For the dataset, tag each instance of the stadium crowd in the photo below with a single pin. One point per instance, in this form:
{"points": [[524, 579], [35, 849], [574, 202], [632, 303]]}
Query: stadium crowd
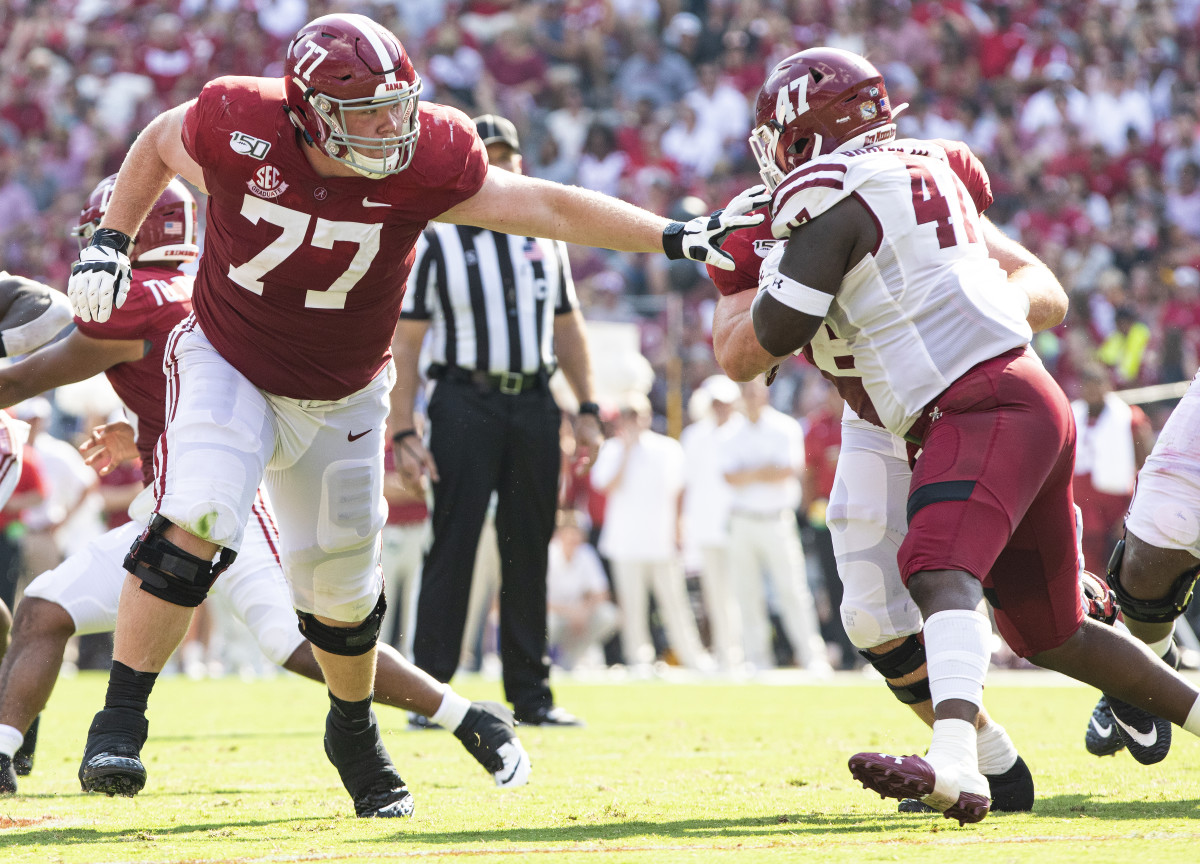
{"points": [[1086, 114]]}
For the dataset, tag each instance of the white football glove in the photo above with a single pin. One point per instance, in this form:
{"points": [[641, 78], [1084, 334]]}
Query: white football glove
{"points": [[101, 276], [701, 238]]}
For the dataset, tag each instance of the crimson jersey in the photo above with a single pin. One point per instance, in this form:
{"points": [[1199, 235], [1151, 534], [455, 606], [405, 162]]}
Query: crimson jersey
{"points": [[302, 276], [750, 246], [159, 298]]}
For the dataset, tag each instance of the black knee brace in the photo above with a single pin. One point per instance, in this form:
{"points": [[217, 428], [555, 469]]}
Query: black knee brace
{"points": [[1161, 611], [169, 572], [902, 660], [346, 641]]}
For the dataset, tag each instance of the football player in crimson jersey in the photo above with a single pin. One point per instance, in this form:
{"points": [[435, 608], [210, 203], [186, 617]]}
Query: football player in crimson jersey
{"points": [[81, 594], [319, 185], [887, 251]]}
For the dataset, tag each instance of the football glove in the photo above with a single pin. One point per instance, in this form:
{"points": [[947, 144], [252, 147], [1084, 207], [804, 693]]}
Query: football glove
{"points": [[700, 239], [101, 276]]}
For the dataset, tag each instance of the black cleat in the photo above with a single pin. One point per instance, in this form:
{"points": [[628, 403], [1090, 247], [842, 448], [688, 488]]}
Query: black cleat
{"points": [[548, 715], [1012, 792], [1102, 737], [487, 733], [8, 777], [23, 759], [112, 757], [366, 768], [1148, 737]]}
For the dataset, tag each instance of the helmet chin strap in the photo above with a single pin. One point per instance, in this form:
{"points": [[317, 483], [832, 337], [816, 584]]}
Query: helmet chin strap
{"points": [[374, 169]]}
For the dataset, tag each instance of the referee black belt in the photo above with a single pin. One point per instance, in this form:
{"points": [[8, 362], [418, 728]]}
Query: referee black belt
{"points": [[508, 383]]}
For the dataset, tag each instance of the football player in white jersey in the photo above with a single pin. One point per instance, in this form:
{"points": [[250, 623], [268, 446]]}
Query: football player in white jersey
{"points": [[886, 251], [31, 314]]}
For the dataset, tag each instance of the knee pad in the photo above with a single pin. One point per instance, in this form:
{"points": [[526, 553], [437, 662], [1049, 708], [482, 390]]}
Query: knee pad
{"points": [[902, 660], [170, 573], [344, 641], [1161, 611]]}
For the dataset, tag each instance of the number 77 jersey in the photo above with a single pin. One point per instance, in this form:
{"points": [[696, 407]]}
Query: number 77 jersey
{"points": [[928, 303], [302, 276]]}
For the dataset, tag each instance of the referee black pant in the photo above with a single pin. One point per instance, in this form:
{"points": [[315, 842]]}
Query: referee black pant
{"points": [[484, 440]]}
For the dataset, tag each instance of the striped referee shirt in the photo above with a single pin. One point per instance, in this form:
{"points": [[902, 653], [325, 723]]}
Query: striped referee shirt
{"points": [[490, 298]]}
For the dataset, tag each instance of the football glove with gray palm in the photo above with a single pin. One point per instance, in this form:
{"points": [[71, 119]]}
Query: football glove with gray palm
{"points": [[700, 239], [101, 276]]}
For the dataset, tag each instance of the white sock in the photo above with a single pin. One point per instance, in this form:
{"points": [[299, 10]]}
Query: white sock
{"points": [[997, 753], [957, 654], [1191, 724], [954, 743], [11, 739], [452, 710]]}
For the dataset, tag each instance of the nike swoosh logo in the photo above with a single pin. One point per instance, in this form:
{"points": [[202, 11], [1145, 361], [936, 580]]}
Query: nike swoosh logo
{"points": [[1104, 731], [1146, 739], [350, 436], [367, 202], [513, 772]]}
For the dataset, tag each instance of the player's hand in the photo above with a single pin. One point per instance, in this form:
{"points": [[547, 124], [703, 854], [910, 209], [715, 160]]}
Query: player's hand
{"points": [[108, 446], [413, 462], [101, 276], [701, 238]]}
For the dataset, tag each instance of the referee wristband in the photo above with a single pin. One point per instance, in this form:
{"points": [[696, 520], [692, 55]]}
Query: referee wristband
{"points": [[589, 408], [402, 434]]}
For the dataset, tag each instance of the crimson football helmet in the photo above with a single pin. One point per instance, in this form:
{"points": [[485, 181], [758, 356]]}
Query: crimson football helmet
{"points": [[169, 232], [816, 102], [343, 73]]}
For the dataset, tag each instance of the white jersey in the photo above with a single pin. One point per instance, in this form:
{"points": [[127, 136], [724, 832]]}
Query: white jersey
{"points": [[928, 303]]}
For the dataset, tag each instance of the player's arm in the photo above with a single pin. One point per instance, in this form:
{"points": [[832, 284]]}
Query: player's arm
{"points": [[734, 344], [156, 156], [516, 204], [75, 358], [791, 305], [1047, 297], [31, 314]]}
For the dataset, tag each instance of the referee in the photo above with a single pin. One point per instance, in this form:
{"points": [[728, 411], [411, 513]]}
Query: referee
{"points": [[502, 314]]}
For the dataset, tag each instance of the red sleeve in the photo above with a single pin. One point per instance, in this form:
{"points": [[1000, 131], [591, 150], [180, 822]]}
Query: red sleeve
{"points": [[748, 247], [971, 171], [450, 158]]}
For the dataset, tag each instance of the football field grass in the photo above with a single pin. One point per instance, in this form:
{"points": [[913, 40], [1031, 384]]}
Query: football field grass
{"points": [[664, 772]]}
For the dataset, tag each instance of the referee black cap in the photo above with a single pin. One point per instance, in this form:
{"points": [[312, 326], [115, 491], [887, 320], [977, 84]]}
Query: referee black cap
{"points": [[494, 129]]}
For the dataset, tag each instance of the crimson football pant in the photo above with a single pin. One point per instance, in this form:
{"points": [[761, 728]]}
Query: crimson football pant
{"points": [[484, 440]]}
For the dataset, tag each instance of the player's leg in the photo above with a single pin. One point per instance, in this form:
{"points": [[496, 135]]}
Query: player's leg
{"points": [[78, 596], [746, 566], [325, 483], [720, 604], [867, 519], [208, 462], [256, 591], [1154, 568]]}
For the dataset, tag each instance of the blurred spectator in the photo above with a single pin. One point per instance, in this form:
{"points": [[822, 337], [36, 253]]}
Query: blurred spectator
{"points": [[1124, 351], [641, 474], [404, 537], [581, 614], [1112, 443], [652, 72], [762, 459], [706, 500]]}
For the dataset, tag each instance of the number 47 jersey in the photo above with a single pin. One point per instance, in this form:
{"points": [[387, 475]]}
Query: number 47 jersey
{"points": [[928, 303]]}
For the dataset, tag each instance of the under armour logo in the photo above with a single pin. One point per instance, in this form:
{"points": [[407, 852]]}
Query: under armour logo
{"points": [[934, 414]]}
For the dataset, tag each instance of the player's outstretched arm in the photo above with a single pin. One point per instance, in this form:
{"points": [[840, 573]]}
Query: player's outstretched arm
{"points": [[75, 358], [515, 204], [1047, 297]]}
